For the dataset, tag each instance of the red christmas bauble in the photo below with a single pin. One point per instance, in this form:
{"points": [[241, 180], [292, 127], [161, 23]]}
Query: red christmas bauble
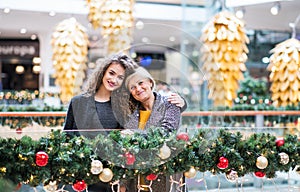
{"points": [[19, 185], [151, 177], [130, 158], [259, 174], [41, 158], [279, 142], [79, 185], [19, 130], [223, 163], [183, 136]]}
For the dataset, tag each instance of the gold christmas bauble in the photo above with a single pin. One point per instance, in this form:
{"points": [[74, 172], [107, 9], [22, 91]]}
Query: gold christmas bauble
{"points": [[261, 162], [191, 173], [284, 158], [106, 175]]}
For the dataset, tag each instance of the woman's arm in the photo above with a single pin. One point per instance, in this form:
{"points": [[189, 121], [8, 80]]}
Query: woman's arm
{"points": [[177, 100], [172, 117]]}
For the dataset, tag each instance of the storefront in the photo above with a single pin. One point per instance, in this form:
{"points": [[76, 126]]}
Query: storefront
{"points": [[19, 64]]}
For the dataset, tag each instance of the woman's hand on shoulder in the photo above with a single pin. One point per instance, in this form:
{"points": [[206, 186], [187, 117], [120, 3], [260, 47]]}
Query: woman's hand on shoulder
{"points": [[176, 99]]}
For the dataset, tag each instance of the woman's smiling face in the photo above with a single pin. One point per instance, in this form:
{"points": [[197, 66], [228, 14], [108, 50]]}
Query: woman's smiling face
{"points": [[140, 88], [113, 76]]}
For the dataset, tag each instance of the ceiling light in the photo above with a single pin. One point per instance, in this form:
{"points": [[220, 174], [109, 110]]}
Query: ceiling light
{"points": [[33, 37], [52, 13], [240, 13], [145, 40], [133, 55], [23, 31], [6, 10], [36, 69], [172, 38], [265, 60], [19, 69], [36, 60], [275, 9], [139, 25]]}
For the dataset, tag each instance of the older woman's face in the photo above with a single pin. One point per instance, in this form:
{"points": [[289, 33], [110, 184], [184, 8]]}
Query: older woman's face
{"points": [[113, 76], [140, 88]]}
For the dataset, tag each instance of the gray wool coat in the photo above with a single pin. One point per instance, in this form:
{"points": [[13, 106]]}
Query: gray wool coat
{"points": [[164, 114]]}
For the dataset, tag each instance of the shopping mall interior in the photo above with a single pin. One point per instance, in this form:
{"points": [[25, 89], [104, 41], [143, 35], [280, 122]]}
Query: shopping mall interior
{"points": [[236, 63], [161, 29]]}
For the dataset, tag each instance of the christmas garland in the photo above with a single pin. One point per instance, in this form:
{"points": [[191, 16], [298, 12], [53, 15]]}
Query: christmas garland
{"points": [[60, 158]]}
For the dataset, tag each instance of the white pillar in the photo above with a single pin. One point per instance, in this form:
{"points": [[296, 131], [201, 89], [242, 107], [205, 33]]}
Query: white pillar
{"points": [[46, 66]]}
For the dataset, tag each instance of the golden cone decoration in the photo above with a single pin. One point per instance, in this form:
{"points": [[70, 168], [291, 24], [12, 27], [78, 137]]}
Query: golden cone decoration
{"points": [[70, 47], [224, 53], [115, 18], [94, 15], [117, 24], [285, 75]]}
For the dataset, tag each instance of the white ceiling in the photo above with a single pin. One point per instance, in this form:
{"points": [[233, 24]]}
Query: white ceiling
{"points": [[33, 15]]}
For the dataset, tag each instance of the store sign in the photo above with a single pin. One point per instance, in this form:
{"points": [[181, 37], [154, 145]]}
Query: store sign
{"points": [[18, 48]]}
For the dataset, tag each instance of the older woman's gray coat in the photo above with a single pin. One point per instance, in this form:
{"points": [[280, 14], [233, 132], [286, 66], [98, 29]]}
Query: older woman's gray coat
{"points": [[163, 114]]}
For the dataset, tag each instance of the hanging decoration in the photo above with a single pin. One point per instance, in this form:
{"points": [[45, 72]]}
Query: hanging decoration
{"points": [[261, 162], [259, 174], [106, 175], [151, 177], [285, 75], [164, 152], [223, 163], [79, 186], [96, 167], [117, 23], [70, 47], [224, 53], [115, 18], [191, 173], [41, 158], [94, 15], [130, 158]]}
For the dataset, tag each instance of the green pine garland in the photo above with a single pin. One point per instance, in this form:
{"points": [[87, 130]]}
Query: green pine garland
{"points": [[70, 157]]}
